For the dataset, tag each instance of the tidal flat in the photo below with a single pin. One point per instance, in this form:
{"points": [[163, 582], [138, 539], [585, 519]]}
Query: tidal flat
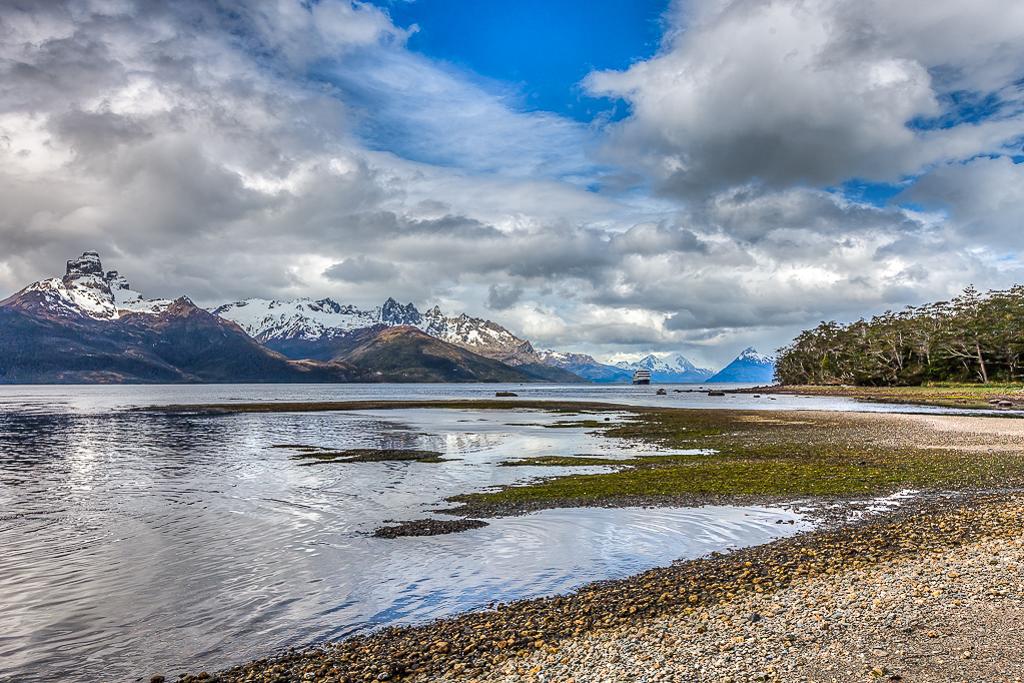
{"points": [[810, 607], [144, 518], [772, 457], [718, 455]]}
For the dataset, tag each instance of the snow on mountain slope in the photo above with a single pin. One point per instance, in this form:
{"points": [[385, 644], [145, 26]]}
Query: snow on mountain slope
{"points": [[748, 367], [481, 336], [649, 362], [679, 369], [86, 290], [269, 319], [752, 355], [306, 319]]}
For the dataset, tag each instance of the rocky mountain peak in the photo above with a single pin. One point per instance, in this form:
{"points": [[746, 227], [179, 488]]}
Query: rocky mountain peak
{"points": [[326, 305], [88, 264], [683, 363], [749, 367], [87, 290], [394, 313], [650, 361], [116, 282], [183, 307]]}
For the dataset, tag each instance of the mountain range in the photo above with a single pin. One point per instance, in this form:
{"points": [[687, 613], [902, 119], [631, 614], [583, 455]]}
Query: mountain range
{"points": [[91, 326], [587, 367], [676, 370], [321, 329]]}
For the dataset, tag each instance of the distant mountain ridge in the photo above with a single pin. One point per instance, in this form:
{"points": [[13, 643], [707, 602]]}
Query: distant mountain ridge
{"points": [[748, 367], [585, 366], [677, 370]]}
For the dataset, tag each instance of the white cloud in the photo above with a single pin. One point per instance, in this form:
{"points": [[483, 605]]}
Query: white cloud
{"points": [[985, 200], [786, 91]]}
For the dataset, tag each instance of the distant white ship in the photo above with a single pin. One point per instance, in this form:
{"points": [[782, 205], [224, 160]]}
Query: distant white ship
{"points": [[642, 377]]}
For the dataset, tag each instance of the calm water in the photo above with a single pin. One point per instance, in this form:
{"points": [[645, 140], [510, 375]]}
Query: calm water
{"points": [[137, 543], [104, 398]]}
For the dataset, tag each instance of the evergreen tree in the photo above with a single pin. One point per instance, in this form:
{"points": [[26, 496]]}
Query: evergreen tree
{"points": [[973, 337]]}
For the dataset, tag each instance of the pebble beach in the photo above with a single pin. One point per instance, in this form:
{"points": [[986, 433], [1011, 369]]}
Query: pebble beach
{"points": [[933, 591]]}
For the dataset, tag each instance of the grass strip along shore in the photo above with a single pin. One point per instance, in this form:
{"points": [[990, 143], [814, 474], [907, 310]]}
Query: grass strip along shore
{"points": [[991, 396], [956, 462]]}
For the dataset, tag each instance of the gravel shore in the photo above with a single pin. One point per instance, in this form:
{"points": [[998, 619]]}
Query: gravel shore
{"points": [[929, 592], [942, 615]]}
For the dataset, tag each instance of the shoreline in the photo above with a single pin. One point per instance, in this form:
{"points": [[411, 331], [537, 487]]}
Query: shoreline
{"points": [[518, 641]]}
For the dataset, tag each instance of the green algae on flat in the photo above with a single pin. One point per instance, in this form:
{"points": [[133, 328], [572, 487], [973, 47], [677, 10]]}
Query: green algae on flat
{"points": [[768, 455], [757, 453], [583, 424], [563, 461]]}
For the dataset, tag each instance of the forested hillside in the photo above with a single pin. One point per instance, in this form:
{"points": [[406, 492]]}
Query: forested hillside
{"points": [[975, 337]]}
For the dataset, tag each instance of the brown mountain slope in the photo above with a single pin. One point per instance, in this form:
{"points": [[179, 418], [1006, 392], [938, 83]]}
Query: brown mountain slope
{"points": [[406, 354]]}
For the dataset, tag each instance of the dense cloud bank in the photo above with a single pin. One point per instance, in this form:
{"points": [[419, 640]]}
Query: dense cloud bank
{"points": [[227, 149]]}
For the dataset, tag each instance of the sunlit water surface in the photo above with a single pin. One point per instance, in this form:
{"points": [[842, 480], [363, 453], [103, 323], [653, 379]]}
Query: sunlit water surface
{"points": [[136, 543]]}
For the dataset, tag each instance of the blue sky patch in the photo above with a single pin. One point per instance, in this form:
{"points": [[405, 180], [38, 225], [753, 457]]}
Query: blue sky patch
{"points": [[960, 107], [542, 47], [876, 194]]}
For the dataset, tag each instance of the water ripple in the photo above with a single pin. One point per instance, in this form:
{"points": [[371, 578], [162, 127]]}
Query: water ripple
{"points": [[138, 543]]}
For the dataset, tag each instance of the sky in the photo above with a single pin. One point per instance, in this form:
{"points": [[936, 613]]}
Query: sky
{"points": [[616, 177]]}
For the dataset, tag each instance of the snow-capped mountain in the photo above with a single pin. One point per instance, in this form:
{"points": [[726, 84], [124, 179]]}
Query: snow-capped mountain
{"points": [[297, 325], [748, 367], [86, 290], [585, 366], [679, 369], [91, 327]]}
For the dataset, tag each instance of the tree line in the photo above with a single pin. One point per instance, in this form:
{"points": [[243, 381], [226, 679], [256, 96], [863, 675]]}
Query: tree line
{"points": [[974, 337]]}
